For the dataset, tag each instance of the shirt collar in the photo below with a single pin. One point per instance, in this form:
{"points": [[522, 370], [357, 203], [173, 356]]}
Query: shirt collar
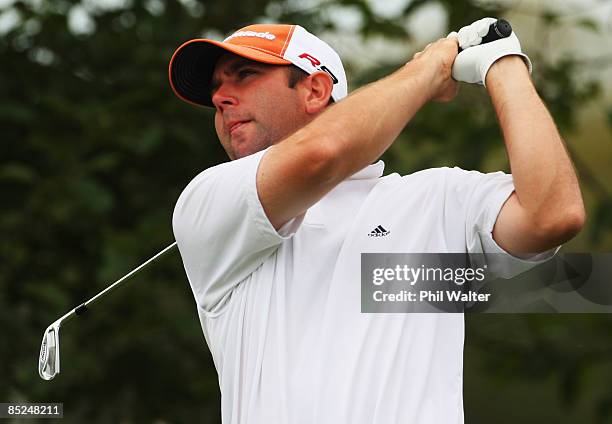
{"points": [[371, 171]]}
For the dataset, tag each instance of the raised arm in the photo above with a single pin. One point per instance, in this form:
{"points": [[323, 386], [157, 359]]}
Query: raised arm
{"points": [[546, 209], [295, 173]]}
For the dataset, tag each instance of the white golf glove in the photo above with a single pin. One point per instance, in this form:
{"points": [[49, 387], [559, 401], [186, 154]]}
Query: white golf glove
{"points": [[473, 63]]}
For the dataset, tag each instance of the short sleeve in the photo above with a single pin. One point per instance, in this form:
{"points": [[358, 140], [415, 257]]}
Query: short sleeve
{"points": [[484, 195], [222, 231]]}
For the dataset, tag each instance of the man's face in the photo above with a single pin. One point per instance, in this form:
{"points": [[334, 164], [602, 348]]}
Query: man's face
{"points": [[255, 108]]}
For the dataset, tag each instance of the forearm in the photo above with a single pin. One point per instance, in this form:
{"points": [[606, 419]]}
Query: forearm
{"points": [[346, 137], [357, 130], [544, 178]]}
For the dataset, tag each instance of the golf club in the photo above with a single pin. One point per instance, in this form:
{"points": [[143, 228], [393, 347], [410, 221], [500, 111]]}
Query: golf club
{"points": [[497, 30], [49, 359]]}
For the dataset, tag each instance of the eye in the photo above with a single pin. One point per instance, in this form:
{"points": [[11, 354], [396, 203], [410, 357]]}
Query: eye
{"points": [[243, 73]]}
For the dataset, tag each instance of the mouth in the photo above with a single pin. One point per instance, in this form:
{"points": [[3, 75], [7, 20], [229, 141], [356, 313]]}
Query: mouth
{"points": [[236, 126]]}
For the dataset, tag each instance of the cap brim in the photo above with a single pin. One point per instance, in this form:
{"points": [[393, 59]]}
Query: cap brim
{"points": [[193, 63]]}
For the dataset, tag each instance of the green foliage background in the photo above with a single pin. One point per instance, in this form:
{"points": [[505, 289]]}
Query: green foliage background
{"points": [[96, 150]]}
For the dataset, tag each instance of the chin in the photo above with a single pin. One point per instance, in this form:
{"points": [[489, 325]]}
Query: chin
{"points": [[244, 149], [242, 154]]}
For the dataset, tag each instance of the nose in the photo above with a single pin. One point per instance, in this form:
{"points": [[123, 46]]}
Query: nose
{"points": [[224, 96]]}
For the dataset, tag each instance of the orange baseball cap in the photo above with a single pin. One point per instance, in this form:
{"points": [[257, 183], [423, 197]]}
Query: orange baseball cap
{"points": [[193, 63]]}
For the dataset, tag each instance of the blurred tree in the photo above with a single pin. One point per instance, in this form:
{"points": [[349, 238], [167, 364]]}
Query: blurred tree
{"points": [[97, 150]]}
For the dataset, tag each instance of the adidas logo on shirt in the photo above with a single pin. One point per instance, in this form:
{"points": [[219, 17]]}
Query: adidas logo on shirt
{"points": [[378, 232]]}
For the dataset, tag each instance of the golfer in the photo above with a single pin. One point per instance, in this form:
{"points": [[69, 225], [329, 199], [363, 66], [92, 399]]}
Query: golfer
{"points": [[271, 241]]}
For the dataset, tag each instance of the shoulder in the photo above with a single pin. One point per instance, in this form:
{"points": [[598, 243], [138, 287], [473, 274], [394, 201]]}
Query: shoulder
{"points": [[228, 175], [201, 182], [473, 174], [425, 178], [444, 172], [221, 187], [457, 179], [445, 181]]}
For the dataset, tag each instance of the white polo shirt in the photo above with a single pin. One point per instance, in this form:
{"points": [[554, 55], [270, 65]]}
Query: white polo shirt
{"points": [[281, 311]]}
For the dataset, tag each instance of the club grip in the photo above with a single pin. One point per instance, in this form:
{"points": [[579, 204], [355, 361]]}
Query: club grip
{"points": [[499, 29]]}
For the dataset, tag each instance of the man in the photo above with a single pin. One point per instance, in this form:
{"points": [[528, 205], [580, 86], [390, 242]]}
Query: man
{"points": [[271, 241]]}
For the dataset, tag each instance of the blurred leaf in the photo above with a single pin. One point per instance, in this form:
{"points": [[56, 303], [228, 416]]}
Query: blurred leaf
{"points": [[550, 18], [17, 172], [588, 24]]}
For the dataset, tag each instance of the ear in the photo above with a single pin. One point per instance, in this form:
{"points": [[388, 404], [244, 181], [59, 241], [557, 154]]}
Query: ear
{"points": [[318, 86]]}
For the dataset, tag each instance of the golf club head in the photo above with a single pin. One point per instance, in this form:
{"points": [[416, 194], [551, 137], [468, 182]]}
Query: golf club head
{"points": [[49, 359]]}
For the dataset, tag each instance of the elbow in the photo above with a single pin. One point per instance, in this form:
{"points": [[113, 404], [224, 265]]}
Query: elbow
{"points": [[574, 221], [571, 225], [565, 226], [321, 162]]}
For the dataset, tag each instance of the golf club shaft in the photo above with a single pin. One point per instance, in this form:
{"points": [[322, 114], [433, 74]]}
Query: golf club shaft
{"points": [[82, 308]]}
